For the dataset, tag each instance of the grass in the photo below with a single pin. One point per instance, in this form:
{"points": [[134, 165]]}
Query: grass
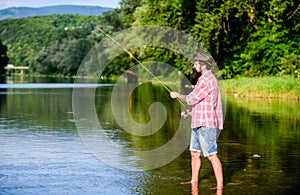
{"points": [[264, 87]]}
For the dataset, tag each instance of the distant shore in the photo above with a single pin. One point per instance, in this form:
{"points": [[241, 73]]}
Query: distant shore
{"points": [[285, 87]]}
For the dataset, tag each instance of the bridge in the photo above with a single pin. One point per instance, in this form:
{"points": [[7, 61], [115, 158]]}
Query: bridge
{"points": [[12, 67]]}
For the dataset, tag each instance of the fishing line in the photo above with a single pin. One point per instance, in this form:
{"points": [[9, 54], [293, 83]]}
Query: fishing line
{"points": [[137, 61]]}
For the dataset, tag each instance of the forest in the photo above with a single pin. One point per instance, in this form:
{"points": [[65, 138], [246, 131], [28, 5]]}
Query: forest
{"points": [[246, 38]]}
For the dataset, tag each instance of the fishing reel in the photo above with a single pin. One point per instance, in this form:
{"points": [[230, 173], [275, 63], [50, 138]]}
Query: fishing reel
{"points": [[185, 114]]}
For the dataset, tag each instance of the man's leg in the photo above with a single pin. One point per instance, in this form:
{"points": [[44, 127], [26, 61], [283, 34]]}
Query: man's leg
{"points": [[217, 167], [196, 164], [195, 189]]}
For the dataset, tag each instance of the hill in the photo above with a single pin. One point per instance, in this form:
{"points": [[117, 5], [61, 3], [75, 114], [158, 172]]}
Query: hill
{"points": [[22, 12], [25, 37]]}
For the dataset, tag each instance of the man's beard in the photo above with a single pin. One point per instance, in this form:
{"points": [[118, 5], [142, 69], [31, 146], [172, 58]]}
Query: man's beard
{"points": [[196, 74]]}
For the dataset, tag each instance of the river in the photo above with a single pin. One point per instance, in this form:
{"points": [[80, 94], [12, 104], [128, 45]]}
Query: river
{"points": [[43, 150]]}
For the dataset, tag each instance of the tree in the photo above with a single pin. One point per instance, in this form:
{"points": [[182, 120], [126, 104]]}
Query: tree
{"points": [[127, 8], [255, 37], [3, 58], [25, 37], [178, 14], [273, 48], [112, 19], [223, 27], [73, 56]]}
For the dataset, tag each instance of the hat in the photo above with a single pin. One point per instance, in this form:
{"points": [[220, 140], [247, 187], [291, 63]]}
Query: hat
{"points": [[204, 58]]}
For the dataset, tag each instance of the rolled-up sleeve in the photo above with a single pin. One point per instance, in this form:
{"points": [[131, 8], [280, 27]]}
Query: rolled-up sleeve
{"points": [[200, 91]]}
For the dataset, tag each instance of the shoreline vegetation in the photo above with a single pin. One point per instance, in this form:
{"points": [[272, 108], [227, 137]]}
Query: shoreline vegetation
{"points": [[271, 87]]}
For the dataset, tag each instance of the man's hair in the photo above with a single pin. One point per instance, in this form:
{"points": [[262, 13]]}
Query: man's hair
{"points": [[204, 59]]}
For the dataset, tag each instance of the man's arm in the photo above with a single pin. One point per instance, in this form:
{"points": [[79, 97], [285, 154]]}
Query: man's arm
{"points": [[178, 95]]}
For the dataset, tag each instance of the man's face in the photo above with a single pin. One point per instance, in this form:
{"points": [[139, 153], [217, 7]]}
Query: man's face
{"points": [[199, 67]]}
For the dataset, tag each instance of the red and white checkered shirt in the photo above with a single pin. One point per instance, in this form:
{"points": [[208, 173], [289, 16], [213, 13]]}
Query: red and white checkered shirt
{"points": [[206, 102]]}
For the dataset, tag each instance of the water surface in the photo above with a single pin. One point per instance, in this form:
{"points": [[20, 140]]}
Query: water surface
{"points": [[42, 153]]}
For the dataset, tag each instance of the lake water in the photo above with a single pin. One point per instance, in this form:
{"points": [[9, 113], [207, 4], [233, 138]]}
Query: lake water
{"points": [[42, 151]]}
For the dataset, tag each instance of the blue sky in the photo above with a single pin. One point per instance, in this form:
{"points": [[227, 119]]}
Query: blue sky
{"points": [[40, 3]]}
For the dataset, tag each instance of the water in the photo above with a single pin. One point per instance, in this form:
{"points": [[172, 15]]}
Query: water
{"points": [[42, 152]]}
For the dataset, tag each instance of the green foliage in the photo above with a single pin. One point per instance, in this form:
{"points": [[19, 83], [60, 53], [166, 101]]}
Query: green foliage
{"points": [[237, 33], [61, 58], [272, 47], [246, 38], [222, 26], [127, 8], [3, 57], [26, 37], [176, 13], [112, 19], [275, 54]]}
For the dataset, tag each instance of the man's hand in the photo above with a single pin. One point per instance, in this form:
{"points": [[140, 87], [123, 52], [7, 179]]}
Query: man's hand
{"points": [[174, 94]]}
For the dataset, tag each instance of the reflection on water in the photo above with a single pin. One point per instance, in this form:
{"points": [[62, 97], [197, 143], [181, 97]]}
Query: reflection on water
{"points": [[261, 147], [149, 128], [41, 151]]}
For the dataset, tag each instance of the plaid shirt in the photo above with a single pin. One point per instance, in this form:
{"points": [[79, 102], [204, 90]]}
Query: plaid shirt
{"points": [[206, 102]]}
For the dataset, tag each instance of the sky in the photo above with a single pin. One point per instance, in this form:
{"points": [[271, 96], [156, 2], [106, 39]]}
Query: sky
{"points": [[40, 3]]}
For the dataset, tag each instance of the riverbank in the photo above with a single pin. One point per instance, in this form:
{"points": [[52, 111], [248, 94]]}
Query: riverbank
{"points": [[264, 87], [285, 87]]}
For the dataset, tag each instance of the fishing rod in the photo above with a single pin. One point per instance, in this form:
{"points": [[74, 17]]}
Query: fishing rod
{"points": [[184, 114], [133, 57]]}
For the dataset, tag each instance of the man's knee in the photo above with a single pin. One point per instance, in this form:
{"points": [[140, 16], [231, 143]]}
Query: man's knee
{"points": [[195, 154], [212, 157]]}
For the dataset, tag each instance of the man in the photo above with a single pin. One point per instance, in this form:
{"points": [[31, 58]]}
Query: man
{"points": [[207, 118]]}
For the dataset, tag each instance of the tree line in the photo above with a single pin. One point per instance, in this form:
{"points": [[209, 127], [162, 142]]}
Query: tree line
{"points": [[246, 38]]}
